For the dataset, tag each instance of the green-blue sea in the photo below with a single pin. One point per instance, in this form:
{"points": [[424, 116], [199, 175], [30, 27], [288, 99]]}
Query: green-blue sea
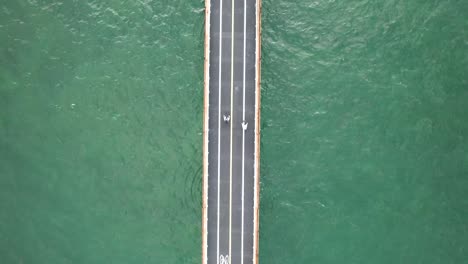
{"points": [[364, 144]]}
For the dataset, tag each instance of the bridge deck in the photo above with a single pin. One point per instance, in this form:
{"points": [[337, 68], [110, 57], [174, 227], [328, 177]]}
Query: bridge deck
{"points": [[231, 149]]}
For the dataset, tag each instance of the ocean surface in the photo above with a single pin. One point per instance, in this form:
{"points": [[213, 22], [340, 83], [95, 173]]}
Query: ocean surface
{"points": [[364, 146]]}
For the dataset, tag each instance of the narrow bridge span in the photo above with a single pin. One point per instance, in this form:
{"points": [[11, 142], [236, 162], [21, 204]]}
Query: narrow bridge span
{"points": [[231, 132]]}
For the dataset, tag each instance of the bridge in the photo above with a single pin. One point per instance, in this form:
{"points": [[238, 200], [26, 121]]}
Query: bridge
{"points": [[231, 141]]}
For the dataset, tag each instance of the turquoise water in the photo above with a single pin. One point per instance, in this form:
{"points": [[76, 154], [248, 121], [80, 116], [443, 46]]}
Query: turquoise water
{"points": [[364, 131], [100, 131]]}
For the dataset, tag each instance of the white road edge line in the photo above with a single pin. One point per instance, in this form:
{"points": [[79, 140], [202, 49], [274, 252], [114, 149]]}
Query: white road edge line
{"points": [[219, 119], [205, 132], [257, 50], [232, 121], [243, 139]]}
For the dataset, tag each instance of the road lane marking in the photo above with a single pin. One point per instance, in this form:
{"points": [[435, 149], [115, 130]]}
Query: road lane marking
{"points": [[256, 132], [224, 259], [232, 120], [243, 139], [219, 118]]}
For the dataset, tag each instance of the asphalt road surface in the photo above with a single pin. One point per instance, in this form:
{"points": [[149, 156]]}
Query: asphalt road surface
{"points": [[231, 144]]}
